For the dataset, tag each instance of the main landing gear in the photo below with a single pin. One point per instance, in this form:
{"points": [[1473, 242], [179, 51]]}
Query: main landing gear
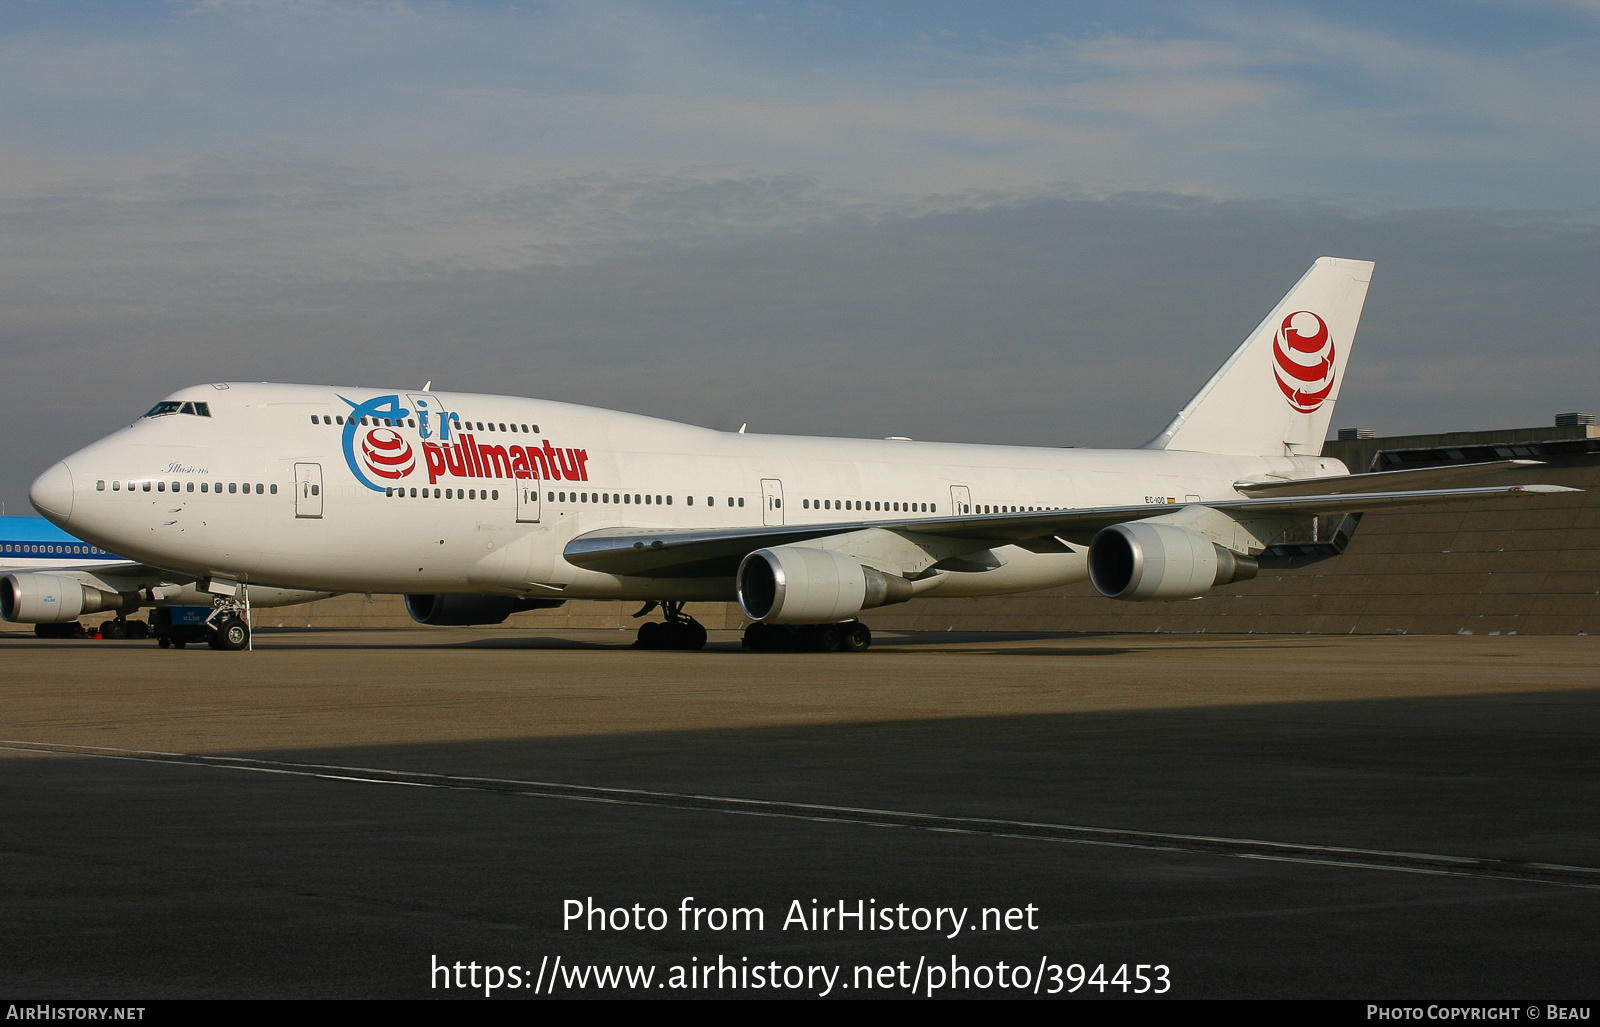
{"points": [[850, 637], [123, 628], [679, 631]]}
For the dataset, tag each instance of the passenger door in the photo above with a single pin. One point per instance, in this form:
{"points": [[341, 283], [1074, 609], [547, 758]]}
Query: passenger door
{"points": [[308, 490], [960, 499], [771, 501], [528, 501]]}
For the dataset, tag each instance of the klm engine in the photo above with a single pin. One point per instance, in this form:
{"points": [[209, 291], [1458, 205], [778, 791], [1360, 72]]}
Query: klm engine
{"points": [[54, 599], [1140, 561], [798, 585], [462, 610]]}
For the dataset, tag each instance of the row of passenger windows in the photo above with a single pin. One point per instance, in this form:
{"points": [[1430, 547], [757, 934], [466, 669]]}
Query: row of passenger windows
{"points": [[234, 487], [864, 505], [619, 498], [399, 493], [391, 422], [575, 497], [411, 422], [51, 550]]}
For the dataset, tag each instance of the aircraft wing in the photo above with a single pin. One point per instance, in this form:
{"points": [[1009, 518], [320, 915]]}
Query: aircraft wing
{"points": [[649, 553], [118, 575], [1379, 481], [97, 567]]}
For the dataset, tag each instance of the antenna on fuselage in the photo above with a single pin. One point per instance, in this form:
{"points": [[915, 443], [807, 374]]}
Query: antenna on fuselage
{"points": [[427, 386], [743, 426]]}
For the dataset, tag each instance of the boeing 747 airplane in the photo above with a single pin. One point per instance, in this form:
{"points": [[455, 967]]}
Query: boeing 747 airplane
{"points": [[478, 506]]}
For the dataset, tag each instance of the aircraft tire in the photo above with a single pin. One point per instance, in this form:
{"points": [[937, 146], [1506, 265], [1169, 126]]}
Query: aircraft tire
{"points": [[231, 634], [765, 638], [824, 638], [138, 629], [114, 629], [649, 635], [690, 636], [855, 637]]}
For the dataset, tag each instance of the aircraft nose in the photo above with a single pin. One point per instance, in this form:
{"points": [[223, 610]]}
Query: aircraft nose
{"points": [[52, 493]]}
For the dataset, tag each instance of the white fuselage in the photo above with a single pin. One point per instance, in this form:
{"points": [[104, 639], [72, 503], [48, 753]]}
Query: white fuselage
{"points": [[410, 506]]}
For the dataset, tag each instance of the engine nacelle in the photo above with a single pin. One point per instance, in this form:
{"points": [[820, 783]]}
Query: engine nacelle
{"points": [[1140, 561], [54, 598], [799, 585], [462, 610]]}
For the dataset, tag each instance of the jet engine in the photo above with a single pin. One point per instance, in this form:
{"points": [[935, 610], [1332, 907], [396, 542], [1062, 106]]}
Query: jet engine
{"points": [[461, 610], [1140, 561], [799, 585], [54, 598]]}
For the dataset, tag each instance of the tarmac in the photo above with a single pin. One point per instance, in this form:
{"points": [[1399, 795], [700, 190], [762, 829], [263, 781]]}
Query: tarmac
{"points": [[339, 814]]}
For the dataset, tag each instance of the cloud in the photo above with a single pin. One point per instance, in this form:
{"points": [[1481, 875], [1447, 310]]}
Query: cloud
{"points": [[1046, 233], [1050, 321], [1221, 100]]}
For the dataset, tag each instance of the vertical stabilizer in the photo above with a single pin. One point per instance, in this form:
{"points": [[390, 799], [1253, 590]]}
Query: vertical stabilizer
{"points": [[1275, 395]]}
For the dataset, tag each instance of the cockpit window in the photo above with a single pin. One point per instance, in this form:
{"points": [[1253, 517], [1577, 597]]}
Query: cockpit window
{"points": [[169, 406]]}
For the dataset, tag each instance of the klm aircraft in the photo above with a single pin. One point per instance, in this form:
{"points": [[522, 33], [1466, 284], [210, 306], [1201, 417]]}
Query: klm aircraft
{"points": [[49, 578]]}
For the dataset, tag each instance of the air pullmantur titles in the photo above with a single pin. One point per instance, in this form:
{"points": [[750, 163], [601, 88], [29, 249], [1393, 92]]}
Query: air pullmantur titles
{"points": [[842, 915]]}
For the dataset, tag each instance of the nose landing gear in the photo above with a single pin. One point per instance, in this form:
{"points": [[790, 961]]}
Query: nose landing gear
{"points": [[678, 631], [225, 628]]}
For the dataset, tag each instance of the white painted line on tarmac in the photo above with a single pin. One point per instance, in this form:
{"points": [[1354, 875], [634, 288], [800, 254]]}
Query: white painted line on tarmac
{"points": [[1557, 874]]}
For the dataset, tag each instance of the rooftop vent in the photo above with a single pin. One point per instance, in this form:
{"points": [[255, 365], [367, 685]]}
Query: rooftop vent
{"points": [[1352, 434], [1573, 420]]}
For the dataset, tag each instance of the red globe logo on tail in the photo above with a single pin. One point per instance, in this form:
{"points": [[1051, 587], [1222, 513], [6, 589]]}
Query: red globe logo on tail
{"points": [[1303, 358], [387, 454]]}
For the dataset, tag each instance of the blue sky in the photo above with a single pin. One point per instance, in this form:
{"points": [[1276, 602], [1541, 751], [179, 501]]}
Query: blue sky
{"points": [[175, 177], [1479, 103]]}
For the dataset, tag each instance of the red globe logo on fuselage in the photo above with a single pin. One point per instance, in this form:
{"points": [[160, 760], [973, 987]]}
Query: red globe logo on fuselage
{"points": [[1303, 358], [387, 454]]}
